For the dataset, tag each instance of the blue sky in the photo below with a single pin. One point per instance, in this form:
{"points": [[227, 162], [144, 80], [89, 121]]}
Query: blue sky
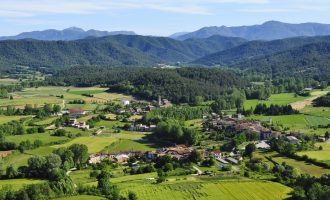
{"points": [[154, 17]]}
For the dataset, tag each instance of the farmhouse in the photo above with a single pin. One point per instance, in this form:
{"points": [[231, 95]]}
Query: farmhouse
{"points": [[292, 139], [163, 103], [143, 128], [179, 151], [77, 112], [125, 103], [76, 124]]}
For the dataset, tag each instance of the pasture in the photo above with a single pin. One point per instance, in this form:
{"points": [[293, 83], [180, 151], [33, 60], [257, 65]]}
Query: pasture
{"points": [[279, 99], [81, 197], [320, 155], [94, 144], [298, 122], [129, 145], [46, 138], [6, 119], [229, 190], [51, 95], [302, 166], [17, 184]]}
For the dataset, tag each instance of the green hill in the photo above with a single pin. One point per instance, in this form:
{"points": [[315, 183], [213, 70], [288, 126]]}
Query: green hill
{"points": [[312, 60], [255, 49]]}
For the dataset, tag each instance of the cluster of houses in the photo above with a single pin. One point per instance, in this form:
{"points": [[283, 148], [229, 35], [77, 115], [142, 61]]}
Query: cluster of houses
{"points": [[142, 128], [237, 125], [74, 123], [178, 152]]}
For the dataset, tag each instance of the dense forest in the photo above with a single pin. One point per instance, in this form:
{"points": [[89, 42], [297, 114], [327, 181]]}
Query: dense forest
{"points": [[311, 60], [256, 49], [178, 85], [121, 50]]}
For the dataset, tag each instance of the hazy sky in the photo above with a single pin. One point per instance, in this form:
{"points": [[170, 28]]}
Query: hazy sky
{"points": [[154, 17]]}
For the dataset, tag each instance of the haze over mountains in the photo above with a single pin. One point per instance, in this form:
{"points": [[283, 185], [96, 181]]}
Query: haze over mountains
{"points": [[72, 33], [270, 30]]}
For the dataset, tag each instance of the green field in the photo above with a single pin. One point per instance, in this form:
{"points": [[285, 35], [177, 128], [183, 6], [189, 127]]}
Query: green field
{"points": [[47, 121], [229, 190], [299, 122], [302, 166], [127, 145], [94, 144], [82, 197], [17, 184], [16, 159], [46, 138], [323, 155], [6, 119], [280, 99]]}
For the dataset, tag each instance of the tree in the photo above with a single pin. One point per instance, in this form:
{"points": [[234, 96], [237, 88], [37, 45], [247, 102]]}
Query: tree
{"points": [[11, 172], [132, 196], [80, 154], [57, 108], [105, 186], [195, 156], [53, 161], [1, 166], [36, 166], [249, 149]]}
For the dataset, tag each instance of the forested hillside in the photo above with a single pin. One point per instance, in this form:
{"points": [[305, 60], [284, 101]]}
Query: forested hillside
{"points": [[312, 60], [171, 50], [177, 85], [256, 49], [57, 54], [121, 50]]}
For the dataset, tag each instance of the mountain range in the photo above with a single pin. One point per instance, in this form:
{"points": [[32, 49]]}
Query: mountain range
{"points": [[270, 30], [275, 57], [72, 33]]}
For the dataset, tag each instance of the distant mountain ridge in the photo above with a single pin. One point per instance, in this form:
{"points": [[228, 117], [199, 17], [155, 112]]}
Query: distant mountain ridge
{"points": [[270, 30], [72, 33]]}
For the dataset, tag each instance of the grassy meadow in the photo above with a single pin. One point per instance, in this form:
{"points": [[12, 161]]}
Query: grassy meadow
{"points": [[321, 155], [17, 184]]}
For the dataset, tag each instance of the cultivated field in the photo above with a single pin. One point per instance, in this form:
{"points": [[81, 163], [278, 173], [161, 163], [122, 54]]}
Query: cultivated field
{"points": [[17, 184], [302, 166], [231, 190], [94, 144], [321, 155]]}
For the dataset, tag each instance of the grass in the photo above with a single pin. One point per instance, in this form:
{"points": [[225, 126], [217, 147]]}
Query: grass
{"points": [[299, 122], [323, 155], [16, 159], [87, 91], [17, 184], [41, 151], [229, 190], [126, 145], [109, 124], [82, 197], [6, 119], [94, 144], [46, 138], [302, 166], [280, 99], [47, 121]]}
